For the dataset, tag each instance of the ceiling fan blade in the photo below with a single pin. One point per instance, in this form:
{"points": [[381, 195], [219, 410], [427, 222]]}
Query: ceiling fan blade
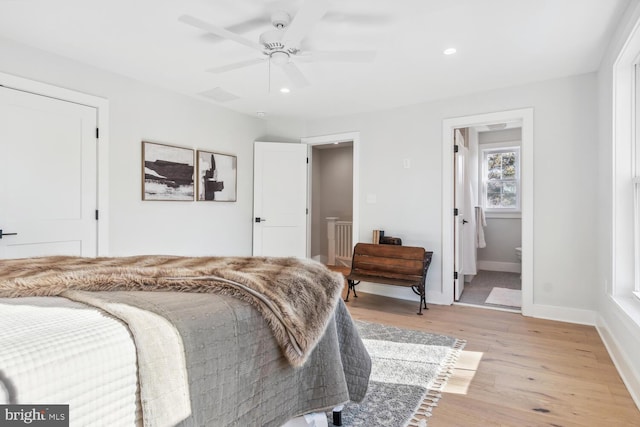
{"points": [[219, 31], [307, 17], [235, 65], [295, 75], [249, 25], [339, 56]]}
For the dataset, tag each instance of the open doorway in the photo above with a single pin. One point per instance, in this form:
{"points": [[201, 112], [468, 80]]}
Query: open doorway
{"points": [[452, 223], [488, 224], [331, 204], [332, 223]]}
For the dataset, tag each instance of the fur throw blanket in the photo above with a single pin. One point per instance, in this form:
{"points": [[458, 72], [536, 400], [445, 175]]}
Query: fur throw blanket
{"points": [[297, 297]]}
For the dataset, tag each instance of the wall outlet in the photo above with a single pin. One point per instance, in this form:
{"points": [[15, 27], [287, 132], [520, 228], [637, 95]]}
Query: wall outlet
{"points": [[406, 163]]}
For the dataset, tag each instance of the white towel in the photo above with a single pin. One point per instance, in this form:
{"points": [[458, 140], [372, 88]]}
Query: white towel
{"points": [[481, 222]]}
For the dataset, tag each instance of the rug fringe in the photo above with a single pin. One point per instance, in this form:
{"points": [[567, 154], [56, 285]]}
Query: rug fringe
{"points": [[431, 397]]}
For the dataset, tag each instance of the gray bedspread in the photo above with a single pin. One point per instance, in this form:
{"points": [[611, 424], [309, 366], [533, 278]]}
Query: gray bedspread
{"points": [[237, 373]]}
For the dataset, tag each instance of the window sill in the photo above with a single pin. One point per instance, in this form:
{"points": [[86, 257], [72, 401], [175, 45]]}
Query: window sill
{"points": [[505, 215], [630, 305]]}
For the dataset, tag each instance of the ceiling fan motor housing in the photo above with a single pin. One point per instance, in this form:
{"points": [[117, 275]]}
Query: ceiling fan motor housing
{"points": [[280, 19], [272, 39]]}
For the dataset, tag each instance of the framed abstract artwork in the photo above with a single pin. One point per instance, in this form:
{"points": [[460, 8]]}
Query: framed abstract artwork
{"points": [[167, 172], [217, 176]]}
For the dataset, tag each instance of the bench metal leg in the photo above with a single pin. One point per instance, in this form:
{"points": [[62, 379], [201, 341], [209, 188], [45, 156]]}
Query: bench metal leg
{"points": [[420, 290], [351, 287]]}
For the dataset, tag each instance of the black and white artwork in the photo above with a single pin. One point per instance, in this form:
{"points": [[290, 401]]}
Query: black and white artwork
{"points": [[167, 172], [217, 176]]}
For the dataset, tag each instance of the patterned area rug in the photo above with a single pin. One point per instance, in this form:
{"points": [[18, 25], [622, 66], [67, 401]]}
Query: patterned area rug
{"points": [[504, 296], [409, 370]]}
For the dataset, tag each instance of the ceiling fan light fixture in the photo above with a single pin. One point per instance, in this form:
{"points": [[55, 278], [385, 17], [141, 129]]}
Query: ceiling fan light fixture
{"points": [[279, 58]]}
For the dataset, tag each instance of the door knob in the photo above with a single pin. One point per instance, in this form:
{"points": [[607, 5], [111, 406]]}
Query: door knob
{"points": [[258, 219], [7, 234]]}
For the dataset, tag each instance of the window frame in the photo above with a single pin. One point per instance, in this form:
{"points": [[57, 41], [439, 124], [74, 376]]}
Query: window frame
{"points": [[635, 172], [484, 151]]}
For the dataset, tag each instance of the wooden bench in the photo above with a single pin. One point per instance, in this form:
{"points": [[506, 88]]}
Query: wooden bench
{"points": [[390, 265]]}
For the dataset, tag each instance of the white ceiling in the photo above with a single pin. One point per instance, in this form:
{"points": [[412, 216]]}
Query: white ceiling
{"points": [[500, 43]]}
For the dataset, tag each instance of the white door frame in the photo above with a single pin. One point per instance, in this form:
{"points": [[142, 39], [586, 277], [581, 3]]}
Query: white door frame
{"points": [[331, 139], [448, 125], [102, 111]]}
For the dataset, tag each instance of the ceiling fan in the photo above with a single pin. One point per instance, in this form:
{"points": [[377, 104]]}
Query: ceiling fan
{"points": [[281, 44]]}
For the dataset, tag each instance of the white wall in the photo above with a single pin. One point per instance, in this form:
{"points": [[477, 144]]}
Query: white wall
{"points": [[142, 112], [619, 327], [506, 135], [409, 200], [503, 236]]}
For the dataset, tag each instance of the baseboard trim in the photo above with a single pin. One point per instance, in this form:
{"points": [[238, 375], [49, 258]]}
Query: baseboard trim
{"points": [[629, 376], [564, 314], [509, 267]]}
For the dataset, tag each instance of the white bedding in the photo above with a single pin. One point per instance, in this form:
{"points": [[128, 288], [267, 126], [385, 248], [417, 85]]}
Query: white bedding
{"points": [[80, 356]]}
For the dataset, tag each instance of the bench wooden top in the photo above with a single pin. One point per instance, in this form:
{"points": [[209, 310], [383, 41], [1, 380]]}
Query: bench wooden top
{"points": [[392, 264]]}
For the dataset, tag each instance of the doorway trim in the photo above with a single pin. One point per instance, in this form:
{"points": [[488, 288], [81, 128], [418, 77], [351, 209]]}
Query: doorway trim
{"points": [[448, 125], [331, 139], [102, 162]]}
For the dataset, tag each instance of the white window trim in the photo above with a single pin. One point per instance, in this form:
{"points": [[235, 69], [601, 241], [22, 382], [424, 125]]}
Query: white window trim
{"points": [[635, 169], [494, 147], [625, 254]]}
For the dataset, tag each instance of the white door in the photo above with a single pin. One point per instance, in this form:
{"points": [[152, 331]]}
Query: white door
{"points": [[458, 223], [47, 176], [280, 199]]}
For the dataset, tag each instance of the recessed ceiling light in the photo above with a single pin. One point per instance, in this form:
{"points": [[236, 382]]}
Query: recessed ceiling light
{"points": [[450, 51], [285, 90]]}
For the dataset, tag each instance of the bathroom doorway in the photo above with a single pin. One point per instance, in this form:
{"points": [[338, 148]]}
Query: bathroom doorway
{"points": [[488, 226], [487, 242]]}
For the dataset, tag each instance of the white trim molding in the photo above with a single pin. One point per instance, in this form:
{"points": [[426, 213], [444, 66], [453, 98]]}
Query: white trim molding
{"points": [[102, 107], [616, 327], [525, 116], [509, 267]]}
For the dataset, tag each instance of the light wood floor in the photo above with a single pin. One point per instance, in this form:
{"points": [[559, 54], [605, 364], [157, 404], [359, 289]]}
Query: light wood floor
{"points": [[533, 372]]}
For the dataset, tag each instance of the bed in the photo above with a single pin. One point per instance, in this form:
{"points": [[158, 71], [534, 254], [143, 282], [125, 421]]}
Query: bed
{"points": [[164, 341]]}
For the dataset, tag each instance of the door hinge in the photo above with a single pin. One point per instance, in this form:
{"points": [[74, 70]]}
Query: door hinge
{"points": [[97, 215], [455, 275], [455, 211], [307, 211], [456, 148], [307, 160], [97, 133]]}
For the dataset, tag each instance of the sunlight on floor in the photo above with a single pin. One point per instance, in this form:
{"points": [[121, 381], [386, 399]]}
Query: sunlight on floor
{"points": [[463, 372]]}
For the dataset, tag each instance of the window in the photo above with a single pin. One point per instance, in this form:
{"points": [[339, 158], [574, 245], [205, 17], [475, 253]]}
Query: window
{"points": [[623, 285], [500, 178]]}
